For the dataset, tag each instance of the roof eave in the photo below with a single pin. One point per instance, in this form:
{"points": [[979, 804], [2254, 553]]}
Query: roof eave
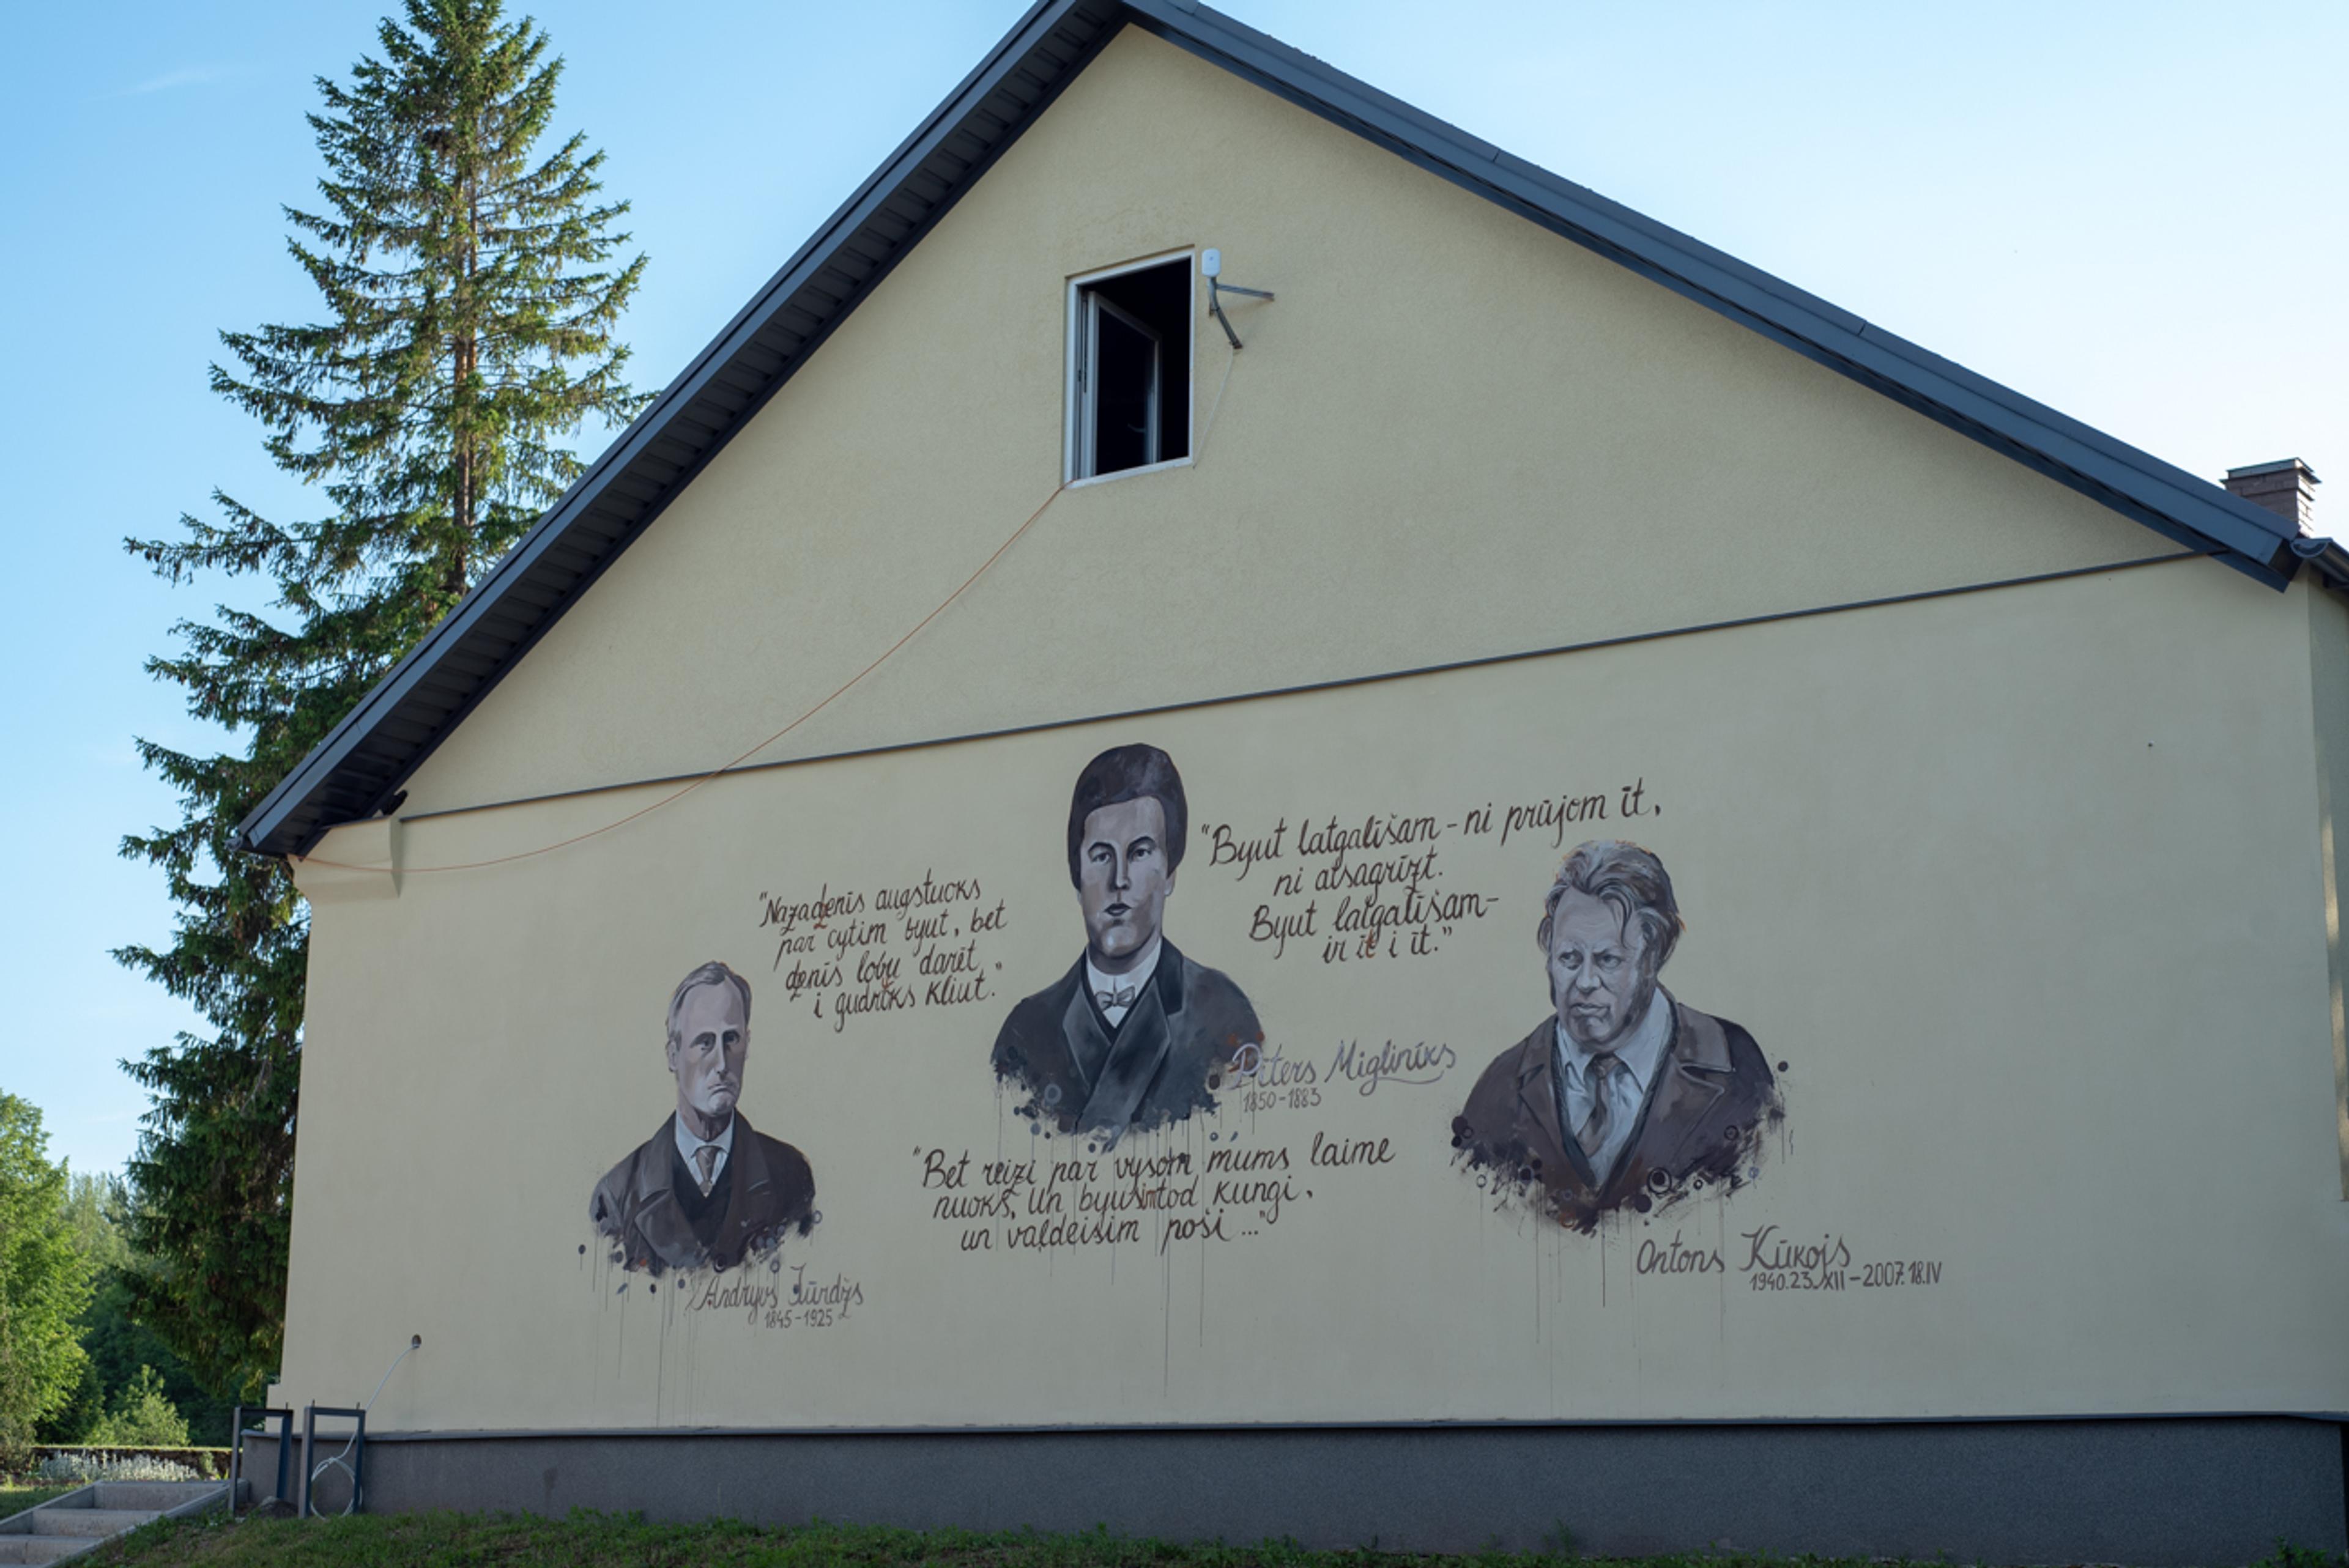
{"points": [[2181, 505], [361, 763], [288, 821]]}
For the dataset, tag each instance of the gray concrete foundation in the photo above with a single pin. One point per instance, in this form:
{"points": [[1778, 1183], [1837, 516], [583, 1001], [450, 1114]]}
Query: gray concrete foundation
{"points": [[2145, 1492]]}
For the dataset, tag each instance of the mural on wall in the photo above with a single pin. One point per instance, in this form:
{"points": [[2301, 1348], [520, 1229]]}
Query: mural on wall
{"points": [[1623, 1094], [1135, 1034], [706, 1190]]}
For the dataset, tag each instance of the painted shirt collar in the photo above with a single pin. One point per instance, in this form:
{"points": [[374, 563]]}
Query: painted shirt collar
{"points": [[1136, 977], [688, 1145]]}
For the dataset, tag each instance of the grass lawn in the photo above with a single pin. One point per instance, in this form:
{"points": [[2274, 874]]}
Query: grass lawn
{"points": [[15, 1498], [598, 1541]]}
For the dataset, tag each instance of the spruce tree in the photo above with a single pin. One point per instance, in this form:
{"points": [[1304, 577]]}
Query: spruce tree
{"points": [[470, 288]]}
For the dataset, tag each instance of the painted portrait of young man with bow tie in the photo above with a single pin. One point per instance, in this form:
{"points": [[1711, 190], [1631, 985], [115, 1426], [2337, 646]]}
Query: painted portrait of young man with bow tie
{"points": [[1134, 1034], [1623, 1095], [708, 1190]]}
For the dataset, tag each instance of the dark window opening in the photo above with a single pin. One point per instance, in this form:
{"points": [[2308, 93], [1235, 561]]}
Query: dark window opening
{"points": [[1133, 392]]}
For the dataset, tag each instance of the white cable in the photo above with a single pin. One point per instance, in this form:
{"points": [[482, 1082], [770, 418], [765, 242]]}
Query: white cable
{"points": [[414, 1340], [1231, 357]]}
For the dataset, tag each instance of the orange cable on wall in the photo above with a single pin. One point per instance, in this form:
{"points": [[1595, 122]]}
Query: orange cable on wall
{"points": [[698, 781]]}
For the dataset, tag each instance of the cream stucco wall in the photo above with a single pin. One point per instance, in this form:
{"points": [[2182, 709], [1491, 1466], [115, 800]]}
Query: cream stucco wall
{"points": [[2028, 888], [2328, 638], [2019, 886], [1454, 435]]}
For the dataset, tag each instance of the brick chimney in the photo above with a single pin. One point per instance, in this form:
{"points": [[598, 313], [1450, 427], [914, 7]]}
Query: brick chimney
{"points": [[2287, 489]]}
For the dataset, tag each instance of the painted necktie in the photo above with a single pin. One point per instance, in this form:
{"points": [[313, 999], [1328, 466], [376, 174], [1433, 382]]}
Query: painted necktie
{"points": [[1117, 996], [1597, 1073], [707, 1157]]}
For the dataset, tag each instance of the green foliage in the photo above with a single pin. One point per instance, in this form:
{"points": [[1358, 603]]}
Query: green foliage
{"points": [[469, 307], [603, 1540], [16, 1499], [80, 1466], [93, 1207], [2288, 1555], [44, 1279], [115, 1349], [118, 1347], [89, 1203], [140, 1418]]}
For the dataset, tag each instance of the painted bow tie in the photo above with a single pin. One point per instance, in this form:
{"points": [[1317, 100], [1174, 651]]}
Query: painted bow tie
{"points": [[1118, 997]]}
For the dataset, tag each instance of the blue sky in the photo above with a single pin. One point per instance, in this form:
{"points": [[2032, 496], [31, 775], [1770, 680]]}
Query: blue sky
{"points": [[2135, 213]]}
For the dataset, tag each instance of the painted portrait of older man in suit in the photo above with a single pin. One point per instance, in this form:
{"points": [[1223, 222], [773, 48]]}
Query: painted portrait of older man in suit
{"points": [[1623, 1094], [708, 1190], [1135, 1034]]}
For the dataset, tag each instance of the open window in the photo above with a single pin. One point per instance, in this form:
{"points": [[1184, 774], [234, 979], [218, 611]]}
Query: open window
{"points": [[1130, 369]]}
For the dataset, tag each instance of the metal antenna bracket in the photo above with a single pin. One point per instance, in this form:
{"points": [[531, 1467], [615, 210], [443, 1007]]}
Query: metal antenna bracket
{"points": [[1216, 289]]}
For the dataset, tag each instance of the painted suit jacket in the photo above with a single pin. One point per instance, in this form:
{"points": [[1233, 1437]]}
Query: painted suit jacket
{"points": [[1164, 1061], [1701, 1121], [767, 1187]]}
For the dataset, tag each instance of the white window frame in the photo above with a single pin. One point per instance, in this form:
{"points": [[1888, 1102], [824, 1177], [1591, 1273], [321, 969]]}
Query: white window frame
{"points": [[1090, 311], [1076, 392]]}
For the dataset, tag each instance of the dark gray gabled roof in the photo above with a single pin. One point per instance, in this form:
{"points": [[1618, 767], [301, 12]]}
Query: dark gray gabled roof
{"points": [[363, 762]]}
